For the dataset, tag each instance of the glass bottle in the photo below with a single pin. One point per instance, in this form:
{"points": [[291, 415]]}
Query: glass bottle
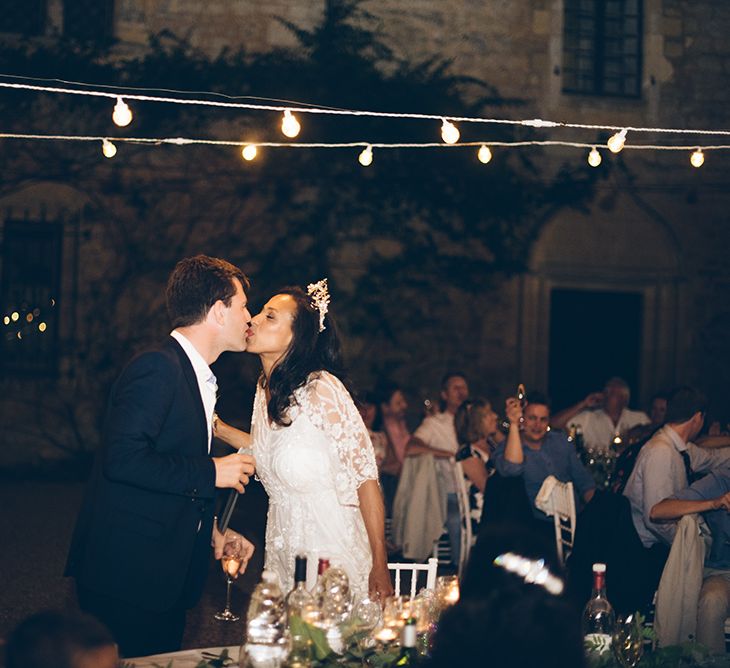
{"points": [[265, 645], [408, 653], [599, 620], [299, 599]]}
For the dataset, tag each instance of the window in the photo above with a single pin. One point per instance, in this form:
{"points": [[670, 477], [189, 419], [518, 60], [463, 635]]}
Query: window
{"points": [[88, 20], [23, 18], [31, 268], [602, 45]]}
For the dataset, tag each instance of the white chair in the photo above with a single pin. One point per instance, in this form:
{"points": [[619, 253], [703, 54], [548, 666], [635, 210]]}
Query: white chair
{"points": [[462, 493], [558, 499], [414, 570], [442, 548]]}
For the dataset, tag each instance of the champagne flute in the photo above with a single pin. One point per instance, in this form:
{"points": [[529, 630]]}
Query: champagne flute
{"points": [[231, 562]]}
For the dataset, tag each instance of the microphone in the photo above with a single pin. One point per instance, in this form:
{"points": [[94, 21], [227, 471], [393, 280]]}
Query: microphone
{"points": [[225, 517]]}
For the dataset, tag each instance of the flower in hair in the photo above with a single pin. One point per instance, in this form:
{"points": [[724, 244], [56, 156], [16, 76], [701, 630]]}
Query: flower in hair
{"points": [[532, 571], [320, 296]]}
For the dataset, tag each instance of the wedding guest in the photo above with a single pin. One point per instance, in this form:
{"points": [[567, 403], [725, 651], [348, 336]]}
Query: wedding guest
{"points": [[140, 549], [535, 452], [504, 618], [476, 429], [391, 419], [711, 497], [667, 464], [367, 406], [61, 640], [602, 415], [436, 437]]}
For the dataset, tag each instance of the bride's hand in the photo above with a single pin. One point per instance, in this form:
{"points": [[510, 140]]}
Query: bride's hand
{"points": [[379, 583]]}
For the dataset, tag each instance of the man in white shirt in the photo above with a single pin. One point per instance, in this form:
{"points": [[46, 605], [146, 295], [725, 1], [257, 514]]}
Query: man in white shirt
{"points": [[436, 436], [602, 416]]}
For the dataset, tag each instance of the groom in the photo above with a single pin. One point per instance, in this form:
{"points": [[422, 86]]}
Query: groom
{"points": [[141, 546]]}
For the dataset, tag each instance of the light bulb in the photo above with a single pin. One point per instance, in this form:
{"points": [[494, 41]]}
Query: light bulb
{"points": [[122, 114], [697, 158], [594, 157], [449, 132], [290, 125], [108, 149], [249, 152], [366, 157], [617, 141], [484, 154]]}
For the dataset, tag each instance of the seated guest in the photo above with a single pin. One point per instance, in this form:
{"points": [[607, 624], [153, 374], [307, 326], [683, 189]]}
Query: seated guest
{"points": [[537, 452], [711, 497], [476, 429], [667, 464], [391, 420], [367, 406], [436, 437], [602, 415], [61, 640], [657, 417], [636, 439], [508, 618]]}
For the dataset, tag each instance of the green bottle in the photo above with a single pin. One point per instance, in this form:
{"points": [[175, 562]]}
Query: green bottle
{"points": [[408, 653]]}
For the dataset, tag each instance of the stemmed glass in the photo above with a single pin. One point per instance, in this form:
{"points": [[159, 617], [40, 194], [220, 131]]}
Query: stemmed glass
{"points": [[628, 641], [231, 561]]}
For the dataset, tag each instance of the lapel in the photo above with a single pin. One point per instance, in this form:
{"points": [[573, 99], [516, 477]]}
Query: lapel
{"points": [[192, 380]]}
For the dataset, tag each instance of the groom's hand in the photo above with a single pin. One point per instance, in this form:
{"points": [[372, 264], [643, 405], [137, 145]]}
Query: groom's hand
{"points": [[233, 470]]}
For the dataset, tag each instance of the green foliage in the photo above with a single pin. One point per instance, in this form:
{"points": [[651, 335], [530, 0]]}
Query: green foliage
{"points": [[407, 242]]}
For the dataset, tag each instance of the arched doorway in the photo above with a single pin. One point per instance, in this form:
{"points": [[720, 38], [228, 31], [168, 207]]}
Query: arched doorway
{"points": [[615, 276]]}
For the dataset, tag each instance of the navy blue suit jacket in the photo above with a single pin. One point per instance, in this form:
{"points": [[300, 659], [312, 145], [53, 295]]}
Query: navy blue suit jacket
{"points": [[143, 532]]}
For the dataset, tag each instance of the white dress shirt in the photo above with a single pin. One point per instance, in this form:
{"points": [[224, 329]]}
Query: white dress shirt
{"points": [[206, 380], [599, 429]]}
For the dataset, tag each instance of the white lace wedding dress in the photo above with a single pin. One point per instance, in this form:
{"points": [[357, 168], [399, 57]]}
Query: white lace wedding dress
{"points": [[311, 471]]}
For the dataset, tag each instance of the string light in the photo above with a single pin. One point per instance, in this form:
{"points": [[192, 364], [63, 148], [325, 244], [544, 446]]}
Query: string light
{"points": [[594, 157], [6, 320], [15, 316], [42, 327], [108, 149], [366, 157], [484, 154], [249, 152], [122, 114], [292, 106], [697, 159], [617, 141], [449, 132], [290, 125]]}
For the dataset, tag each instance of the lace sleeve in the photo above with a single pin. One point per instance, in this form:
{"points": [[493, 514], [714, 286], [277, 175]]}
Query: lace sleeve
{"points": [[331, 409]]}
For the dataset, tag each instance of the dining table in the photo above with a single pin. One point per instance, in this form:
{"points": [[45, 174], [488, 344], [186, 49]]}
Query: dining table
{"points": [[187, 658]]}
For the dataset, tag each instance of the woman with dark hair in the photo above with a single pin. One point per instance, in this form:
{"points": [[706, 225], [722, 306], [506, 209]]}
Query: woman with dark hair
{"points": [[513, 610], [313, 453]]}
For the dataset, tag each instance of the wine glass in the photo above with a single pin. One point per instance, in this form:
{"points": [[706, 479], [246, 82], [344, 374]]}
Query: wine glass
{"points": [[230, 561], [628, 641]]}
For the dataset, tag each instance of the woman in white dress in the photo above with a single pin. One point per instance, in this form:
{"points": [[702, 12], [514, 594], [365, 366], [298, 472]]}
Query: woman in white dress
{"points": [[313, 453]]}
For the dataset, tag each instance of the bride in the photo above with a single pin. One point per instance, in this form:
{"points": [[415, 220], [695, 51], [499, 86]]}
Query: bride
{"points": [[313, 453]]}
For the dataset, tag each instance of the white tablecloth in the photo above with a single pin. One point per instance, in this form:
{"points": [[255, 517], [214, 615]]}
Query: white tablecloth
{"points": [[188, 658]]}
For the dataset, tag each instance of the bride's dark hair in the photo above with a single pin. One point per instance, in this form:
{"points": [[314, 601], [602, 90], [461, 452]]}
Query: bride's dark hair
{"points": [[310, 350]]}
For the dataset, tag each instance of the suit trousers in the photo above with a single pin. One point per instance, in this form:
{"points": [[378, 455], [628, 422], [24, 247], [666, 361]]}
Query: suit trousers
{"points": [[138, 631]]}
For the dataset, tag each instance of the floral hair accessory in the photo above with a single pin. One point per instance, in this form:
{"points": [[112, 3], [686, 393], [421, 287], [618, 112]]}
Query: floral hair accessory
{"points": [[532, 571], [320, 296]]}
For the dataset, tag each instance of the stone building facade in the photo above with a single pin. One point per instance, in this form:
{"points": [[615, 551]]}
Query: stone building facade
{"points": [[651, 248]]}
